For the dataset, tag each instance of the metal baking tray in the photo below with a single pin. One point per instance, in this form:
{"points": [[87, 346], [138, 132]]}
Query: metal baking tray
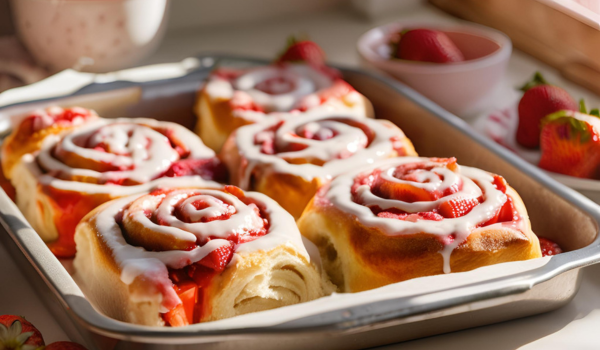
{"points": [[168, 92]]}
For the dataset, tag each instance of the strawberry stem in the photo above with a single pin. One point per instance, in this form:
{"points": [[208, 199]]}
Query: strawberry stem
{"points": [[582, 107], [538, 79]]}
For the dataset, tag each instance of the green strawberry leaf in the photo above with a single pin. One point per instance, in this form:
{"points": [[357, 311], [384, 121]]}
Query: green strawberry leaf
{"points": [[595, 112], [576, 126], [538, 79]]}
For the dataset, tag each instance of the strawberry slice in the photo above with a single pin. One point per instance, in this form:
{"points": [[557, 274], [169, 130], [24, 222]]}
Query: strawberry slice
{"points": [[401, 191], [176, 317], [457, 207], [187, 290], [201, 275], [549, 247], [218, 258], [570, 144], [426, 45], [500, 183], [18, 333]]}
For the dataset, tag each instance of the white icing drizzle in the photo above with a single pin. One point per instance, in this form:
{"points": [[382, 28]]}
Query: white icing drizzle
{"points": [[243, 217], [349, 140], [136, 261], [142, 152], [339, 194], [300, 86]]}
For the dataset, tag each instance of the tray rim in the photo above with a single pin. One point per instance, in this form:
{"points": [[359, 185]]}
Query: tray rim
{"points": [[336, 321]]}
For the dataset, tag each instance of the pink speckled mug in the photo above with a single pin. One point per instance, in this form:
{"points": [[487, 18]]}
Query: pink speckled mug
{"points": [[90, 35]]}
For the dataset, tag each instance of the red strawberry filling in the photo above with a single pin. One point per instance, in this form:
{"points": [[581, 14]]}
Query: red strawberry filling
{"points": [[37, 122], [190, 282], [549, 247], [410, 190]]}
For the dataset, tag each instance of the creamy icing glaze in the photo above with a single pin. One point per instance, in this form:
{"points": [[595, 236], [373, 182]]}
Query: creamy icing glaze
{"points": [[136, 261], [135, 149], [291, 86], [339, 194], [344, 151]]}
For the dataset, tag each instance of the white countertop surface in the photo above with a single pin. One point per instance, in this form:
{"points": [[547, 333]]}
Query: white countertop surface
{"points": [[573, 326]]}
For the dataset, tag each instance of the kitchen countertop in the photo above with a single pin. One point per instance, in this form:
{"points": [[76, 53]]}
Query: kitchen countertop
{"points": [[573, 326]]}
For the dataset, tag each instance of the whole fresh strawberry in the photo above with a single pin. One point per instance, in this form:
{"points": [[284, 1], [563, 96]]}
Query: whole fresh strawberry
{"points": [[570, 144], [299, 50], [425, 45], [539, 100], [16, 333], [64, 345]]}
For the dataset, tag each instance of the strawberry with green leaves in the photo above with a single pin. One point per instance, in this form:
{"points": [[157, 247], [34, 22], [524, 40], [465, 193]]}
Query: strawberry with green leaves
{"points": [[570, 143], [302, 50], [539, 100], [16, 333]]}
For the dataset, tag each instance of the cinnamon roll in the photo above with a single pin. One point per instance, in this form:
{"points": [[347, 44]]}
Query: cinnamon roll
{"points": [[411, 217], [233, 98], [289, 158], [76, 170], [183, 255]]}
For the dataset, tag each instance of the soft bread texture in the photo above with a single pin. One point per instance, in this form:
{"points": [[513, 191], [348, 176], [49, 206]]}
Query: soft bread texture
{"points": [[359, 258], [253, 281], [216, 119]]}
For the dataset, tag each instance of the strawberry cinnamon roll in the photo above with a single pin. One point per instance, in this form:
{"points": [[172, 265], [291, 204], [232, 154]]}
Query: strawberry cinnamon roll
{"points": [[289, 158], [410, 217], [184, 255], [233, 98], [31, 132], [74, 171]]}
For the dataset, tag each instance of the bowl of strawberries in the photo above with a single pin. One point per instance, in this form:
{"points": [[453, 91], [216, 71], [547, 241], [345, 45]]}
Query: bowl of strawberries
{"points": [[455, 65]]}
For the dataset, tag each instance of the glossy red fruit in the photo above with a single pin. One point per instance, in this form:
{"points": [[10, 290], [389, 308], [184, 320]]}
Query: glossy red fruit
{"points": [[65, 345], [218, 258], [539, 100], [17, 333], [570, 145], [549, 247], [427, 45], [457, 207], [303, 51]]}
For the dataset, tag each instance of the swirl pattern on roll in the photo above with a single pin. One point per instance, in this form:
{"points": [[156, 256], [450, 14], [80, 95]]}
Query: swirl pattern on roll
{"points": [[123, 152], [406, 196], [322, 144], [277, 88], [178, 234]]}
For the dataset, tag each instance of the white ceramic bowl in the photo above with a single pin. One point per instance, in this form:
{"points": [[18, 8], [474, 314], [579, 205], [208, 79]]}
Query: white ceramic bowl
{"points": [[458, 87], [91, 35]]}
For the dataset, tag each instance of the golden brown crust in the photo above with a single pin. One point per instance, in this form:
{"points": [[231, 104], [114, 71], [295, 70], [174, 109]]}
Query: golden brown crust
{"points": [[216, 120], [368, 258]]}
